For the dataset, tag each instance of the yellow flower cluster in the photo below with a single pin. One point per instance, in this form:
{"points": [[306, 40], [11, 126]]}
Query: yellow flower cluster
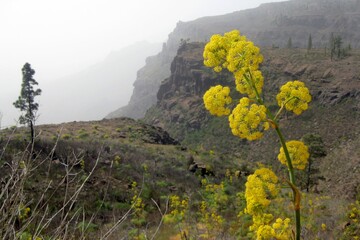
{"points": [[246, 82], [239, 56], [215, 100], [248, 121], [354, 213], [298, 152], [261, 187], [210, 218], [242, 56], [216, 51], [178, 210], [295, 96], [23, 212], [265, 232], [282, 229], [217, 191]]}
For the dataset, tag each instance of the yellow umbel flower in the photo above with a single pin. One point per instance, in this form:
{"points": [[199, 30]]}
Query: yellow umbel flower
{"points": [[295, 96], [247, 81], [216, 51], [243, 55], [298, 152], [265, 232], [261, 187], [215, 100], [248, 121], [282, 230]]}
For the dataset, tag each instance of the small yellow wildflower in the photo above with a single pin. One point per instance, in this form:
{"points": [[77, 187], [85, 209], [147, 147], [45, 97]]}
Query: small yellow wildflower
{"points": [[298, 152], [215, 100], [295, 95], [178, 209], [23, 212], [323, 226]]}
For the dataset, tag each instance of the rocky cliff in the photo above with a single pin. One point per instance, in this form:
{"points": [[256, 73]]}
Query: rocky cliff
{"points": [[334, 113], [270, 24]]}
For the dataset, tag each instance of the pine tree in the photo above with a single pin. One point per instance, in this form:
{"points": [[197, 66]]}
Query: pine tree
{"points": [[338, 46], [309, 46], [332, 46], [317, 150], [26, 101], [289, 43]]}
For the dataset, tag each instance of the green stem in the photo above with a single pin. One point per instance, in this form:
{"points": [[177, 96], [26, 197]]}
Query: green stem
{"points": [[287, 155], [251, 83], [283, 105], [296, 192]]}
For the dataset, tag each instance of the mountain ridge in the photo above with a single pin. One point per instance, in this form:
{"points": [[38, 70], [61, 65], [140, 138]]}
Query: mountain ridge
{"points": [[270, 24]]}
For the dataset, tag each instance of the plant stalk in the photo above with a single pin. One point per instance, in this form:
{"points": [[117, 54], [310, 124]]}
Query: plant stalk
{"points": [[296, 192]]}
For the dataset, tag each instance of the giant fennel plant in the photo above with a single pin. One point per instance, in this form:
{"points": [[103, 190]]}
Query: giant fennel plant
{"points": [[249, 119]]}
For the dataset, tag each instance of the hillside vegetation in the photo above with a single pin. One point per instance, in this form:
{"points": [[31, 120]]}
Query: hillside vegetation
{"points": [[83, 177], [123, 178]]}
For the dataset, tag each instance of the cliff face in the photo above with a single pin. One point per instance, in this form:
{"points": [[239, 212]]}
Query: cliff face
{"points": [[180, 95], [274, 23], [333, 114], [270, 24]]}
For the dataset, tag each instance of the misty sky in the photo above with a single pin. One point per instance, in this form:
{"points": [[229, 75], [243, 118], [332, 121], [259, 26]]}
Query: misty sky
{"points": [[59, 38]]}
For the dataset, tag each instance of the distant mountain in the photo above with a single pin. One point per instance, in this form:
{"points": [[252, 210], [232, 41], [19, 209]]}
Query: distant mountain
{"points": [[97, 90], [271, 24]]}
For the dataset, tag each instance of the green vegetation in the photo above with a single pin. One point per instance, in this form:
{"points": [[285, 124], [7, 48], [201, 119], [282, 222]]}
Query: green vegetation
{"points": [[336, 47], [123, 179]]}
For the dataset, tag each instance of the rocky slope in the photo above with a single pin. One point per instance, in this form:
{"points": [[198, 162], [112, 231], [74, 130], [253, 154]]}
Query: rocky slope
{"points": [[334, 113], [270, 24]]}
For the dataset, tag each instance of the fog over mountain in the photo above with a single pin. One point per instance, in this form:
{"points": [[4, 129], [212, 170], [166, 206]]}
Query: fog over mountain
{"points": [[61, 39], [95, 91]]}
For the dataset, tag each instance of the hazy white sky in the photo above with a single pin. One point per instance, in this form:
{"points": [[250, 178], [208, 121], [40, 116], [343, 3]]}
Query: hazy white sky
{"points": [[61, 37]]}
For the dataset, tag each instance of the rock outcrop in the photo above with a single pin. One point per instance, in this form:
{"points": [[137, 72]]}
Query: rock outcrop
{"points": [[333, 114]]}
